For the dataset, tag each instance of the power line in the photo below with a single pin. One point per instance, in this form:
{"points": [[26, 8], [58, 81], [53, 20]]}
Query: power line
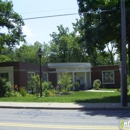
{"points": [[81, 13], [50, 16]]}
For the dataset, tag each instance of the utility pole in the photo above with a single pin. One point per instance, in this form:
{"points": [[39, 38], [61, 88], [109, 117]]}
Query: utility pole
{"points": [[123, 55]]}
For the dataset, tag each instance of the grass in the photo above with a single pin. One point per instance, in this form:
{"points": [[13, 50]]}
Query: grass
{"points": [[84, 97]]}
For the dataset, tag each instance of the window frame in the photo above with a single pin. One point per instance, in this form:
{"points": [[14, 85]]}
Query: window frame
{"points": [[46, 76], [29, 72]]}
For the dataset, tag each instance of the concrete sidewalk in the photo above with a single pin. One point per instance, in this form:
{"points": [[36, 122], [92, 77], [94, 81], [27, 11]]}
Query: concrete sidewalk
{"points": [[67, 106]]}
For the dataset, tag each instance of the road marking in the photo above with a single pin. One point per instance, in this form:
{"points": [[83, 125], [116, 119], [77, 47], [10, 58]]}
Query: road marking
{"points": [[77, 127]]}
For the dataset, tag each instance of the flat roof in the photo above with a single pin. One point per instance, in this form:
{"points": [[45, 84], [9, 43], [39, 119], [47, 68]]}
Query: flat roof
{"points": [[69, 65]]}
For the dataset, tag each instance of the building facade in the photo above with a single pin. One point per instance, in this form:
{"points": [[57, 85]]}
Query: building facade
{"points": [[19, 73]]}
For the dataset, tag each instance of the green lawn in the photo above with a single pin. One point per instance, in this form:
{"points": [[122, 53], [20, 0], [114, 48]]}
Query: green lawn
{"points": [[87, 97]]}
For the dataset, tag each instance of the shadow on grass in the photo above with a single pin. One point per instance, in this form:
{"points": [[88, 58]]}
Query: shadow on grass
{"points": [[112, 99], [118, 113]]}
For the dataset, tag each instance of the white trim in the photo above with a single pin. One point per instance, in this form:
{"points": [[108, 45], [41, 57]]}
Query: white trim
{"points": [[10, 72], [31, 72], [69, 65], [52, 72]]}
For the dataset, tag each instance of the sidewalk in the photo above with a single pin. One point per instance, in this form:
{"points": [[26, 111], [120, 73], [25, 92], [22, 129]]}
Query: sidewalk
{"points": [[67, 106]]}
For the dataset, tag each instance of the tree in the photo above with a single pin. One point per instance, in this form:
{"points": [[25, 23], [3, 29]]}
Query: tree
{"points": [[33, 84], [12, 23], [28, 53], [7, 54], [65, 80], [65, 47], [99, 24]]}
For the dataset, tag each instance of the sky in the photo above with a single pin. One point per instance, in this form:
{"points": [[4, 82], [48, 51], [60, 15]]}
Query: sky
{"points": [[40, 29]]}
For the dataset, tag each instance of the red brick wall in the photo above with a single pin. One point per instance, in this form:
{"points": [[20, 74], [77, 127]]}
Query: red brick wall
{"points": [[52, 77], [21, 69], [96, 73]]}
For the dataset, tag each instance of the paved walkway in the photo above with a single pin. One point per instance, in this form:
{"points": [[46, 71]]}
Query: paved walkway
{"points": [[48, 105], [92, 90]]}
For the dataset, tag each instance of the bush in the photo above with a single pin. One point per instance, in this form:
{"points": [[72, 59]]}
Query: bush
{"points": [[5, 86], [33, 84], [77, 86], [47, 89], [64, 80], [46, 93], [69, 86], [47, 85], [96, 84], [23, 91], [12, 94], [128, 80]]}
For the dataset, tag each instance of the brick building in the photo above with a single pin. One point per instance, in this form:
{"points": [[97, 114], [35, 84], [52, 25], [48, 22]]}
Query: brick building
{"points": [[19, 73]]}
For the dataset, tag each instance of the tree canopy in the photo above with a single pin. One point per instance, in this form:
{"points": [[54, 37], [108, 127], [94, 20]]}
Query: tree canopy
{"points": [[10, 25], [100, 24]]}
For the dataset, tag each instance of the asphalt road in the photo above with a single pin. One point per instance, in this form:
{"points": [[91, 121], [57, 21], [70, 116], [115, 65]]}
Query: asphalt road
{"points": [[38, 119]]}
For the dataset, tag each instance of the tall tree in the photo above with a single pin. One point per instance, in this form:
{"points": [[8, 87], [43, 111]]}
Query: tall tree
{"points": [[11, 24], [100, 22], [59, 41], [64, 46], [28, 53]]}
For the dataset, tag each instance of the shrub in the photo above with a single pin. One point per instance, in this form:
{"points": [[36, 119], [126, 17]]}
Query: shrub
{"points": [[33, 84], [5, 86], [77, 86], [23, 91], [46, 93], [96, 84], [128, 80], [47, 85], [47, 89], [64, 80], [12, 94], [69, 86]]}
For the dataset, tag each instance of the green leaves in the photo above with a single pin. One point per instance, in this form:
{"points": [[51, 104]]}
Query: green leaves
{"points": [[11, 21], [101, 25]]}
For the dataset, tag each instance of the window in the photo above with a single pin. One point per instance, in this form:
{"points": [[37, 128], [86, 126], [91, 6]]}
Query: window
{"points": [[4, 75], [30, 74], [45, 77], [108, 77]]}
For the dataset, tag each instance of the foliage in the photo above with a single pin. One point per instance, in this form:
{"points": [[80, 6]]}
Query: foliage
{"points": [[98, 26], [47, 86], [96, 84], [77, 86], [5, 86], [69, 86], [47, 89], [46, 93], [7, 90], [75, 97], [64, 46], [33, 84], [23, 91], [12, 22], [128, 80], [13, 94], [65, 80]]}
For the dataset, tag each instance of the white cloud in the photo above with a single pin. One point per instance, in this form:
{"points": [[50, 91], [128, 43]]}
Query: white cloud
{"points": [[27, 31]]}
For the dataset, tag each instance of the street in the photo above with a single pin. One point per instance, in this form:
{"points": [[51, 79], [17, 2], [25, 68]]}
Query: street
{"points": [[39, 119]]}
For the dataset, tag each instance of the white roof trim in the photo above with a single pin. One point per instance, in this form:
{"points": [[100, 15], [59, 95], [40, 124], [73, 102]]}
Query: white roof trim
{"points": [[69, 65]]}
